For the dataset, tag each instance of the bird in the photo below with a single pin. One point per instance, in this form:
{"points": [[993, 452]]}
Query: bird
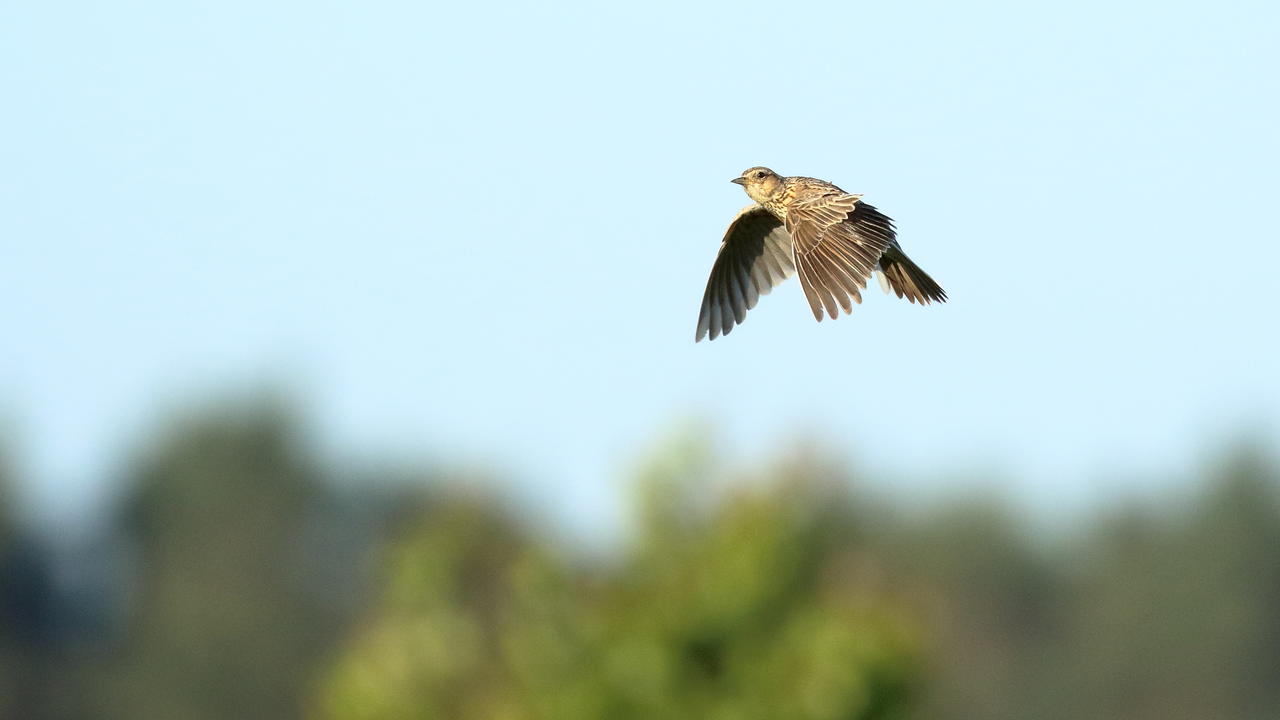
{"points": [[832, 237]]}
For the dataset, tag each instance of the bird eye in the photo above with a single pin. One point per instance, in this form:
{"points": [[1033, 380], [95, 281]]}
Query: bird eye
{"points": [[759, 175]]}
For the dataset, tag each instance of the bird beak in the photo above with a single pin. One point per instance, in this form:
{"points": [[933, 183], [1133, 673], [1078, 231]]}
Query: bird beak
{"points": [[738, 181]]}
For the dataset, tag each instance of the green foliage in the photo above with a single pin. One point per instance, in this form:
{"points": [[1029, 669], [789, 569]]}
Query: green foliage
{"points": [[1172, 618], [6, 496], [11, 656], [753, 607], [238, 580], [227, 618], [1165, 612]]}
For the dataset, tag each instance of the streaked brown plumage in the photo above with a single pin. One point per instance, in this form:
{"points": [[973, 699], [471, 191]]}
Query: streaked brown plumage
{"points": [[834, 239]]}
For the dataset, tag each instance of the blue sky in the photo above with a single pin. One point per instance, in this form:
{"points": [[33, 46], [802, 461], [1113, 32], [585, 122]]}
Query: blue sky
{"points": [[480, 234]]}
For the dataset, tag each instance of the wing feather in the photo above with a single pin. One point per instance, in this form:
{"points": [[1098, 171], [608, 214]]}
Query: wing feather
{"points": [[755, 256], [838, 242]]}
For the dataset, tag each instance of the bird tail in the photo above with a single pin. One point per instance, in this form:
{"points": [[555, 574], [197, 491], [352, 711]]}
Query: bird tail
{"points": [[907, 279]]}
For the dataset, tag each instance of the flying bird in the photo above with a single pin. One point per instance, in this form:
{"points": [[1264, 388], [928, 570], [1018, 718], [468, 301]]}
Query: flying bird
{"points": [[834, 239]]}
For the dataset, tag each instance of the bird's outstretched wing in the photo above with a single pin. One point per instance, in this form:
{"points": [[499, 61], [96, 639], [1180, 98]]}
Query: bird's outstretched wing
{"points": [[838, 241], [754, 256]]}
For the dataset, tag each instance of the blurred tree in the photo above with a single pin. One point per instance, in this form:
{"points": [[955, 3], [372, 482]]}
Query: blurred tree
{"points": [[986, 594], [11, 590], [1163, 613], [1175, 617], [29, 618], [786, 594], [235, 601], [6, 495], [753, 605]]}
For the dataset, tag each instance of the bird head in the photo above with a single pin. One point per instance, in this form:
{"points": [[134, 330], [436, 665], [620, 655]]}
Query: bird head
{"points": [[761, 183]]}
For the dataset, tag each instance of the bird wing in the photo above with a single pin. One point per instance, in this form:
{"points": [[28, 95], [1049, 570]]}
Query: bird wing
{"points": [[838, 241], [754, 256]]}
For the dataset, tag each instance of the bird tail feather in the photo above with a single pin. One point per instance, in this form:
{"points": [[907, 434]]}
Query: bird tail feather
{"points": [[908, 280]]}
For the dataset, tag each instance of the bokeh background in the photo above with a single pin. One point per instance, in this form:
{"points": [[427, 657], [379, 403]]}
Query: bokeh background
{"points": [[347, 363]]}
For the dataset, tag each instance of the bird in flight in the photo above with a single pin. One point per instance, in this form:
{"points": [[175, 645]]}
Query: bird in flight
{"points": [[833, 238]]}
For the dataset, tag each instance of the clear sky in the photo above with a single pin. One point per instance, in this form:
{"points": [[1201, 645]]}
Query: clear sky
{"points": [[479, 233]]}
